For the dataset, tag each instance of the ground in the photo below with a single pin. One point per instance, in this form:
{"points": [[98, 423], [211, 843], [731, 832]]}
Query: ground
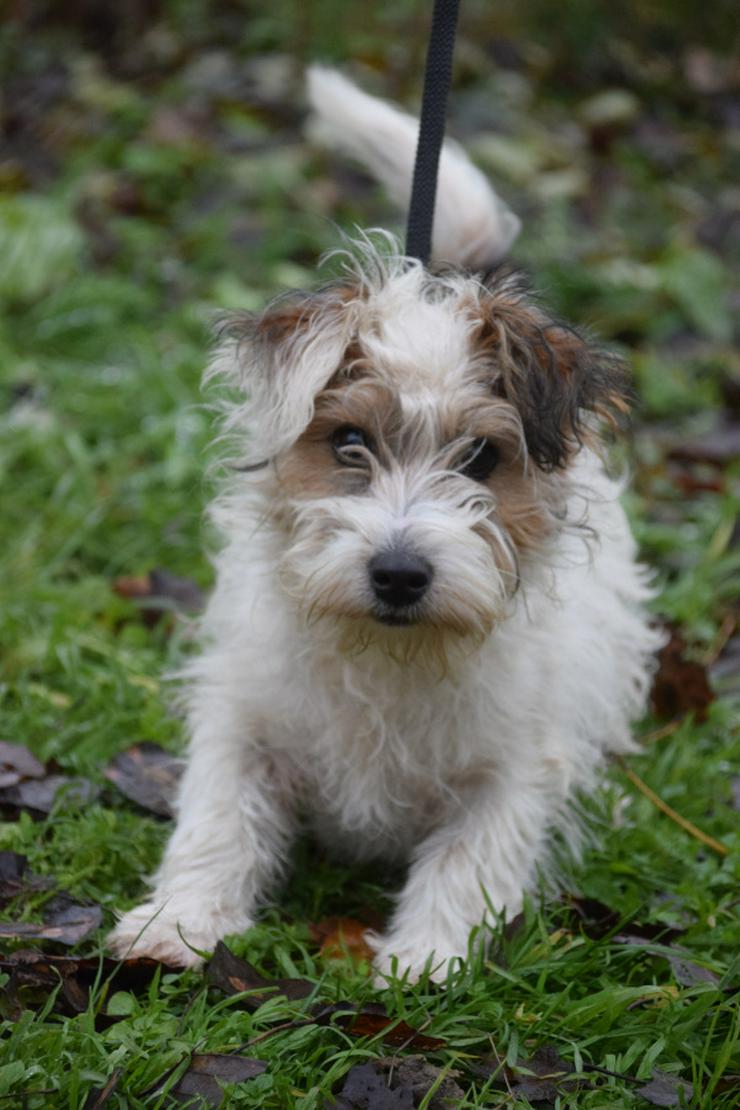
{"points": [[153, 172]]}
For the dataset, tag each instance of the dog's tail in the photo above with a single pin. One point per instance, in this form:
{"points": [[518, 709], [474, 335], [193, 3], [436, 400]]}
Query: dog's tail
{"points": [[472, 225]]}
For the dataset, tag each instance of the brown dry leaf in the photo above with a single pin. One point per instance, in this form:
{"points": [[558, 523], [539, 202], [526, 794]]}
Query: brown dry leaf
{"points": [[598, 920], [35, 975], [394, 1083], [232, 975], [666, 1090], [373, 1020], [680, 684], [17, 763], [727, 1083], [25, 784], [691, 483], [541, 1078], [547, 1078], [38, 796], [688, 974], [201, 1080], [160, 592], [66, 923], [340, 937], [365, 1088], [16, 879], [147, 775]]}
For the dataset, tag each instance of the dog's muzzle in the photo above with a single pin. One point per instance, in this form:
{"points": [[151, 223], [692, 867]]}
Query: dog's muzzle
{"points": [[399, 581]]}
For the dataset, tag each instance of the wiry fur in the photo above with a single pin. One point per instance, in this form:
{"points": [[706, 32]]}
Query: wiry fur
{"points": [[456, 741]]}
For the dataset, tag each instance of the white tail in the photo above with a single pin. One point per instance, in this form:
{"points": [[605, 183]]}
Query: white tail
{"points": [[472, 225]]}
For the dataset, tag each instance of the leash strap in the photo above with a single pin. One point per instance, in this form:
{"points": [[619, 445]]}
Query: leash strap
{"points": [[437, 78]]}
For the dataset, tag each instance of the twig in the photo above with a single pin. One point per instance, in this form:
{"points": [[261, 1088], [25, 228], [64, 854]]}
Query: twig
{"points": [[715, 845], [662, 732], [297, 1023]]}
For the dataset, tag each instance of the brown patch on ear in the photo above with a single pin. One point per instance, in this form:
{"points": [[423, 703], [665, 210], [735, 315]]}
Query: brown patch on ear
{"points": [[287, 318], [554, 376], [278, 324], [293, 313]]}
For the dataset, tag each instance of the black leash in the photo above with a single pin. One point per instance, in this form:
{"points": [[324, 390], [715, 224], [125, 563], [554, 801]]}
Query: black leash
{"points": [[437, 78]]}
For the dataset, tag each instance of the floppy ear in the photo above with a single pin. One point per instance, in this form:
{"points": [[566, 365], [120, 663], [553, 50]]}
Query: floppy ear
{"points": [[283, 357], [561, 383]]}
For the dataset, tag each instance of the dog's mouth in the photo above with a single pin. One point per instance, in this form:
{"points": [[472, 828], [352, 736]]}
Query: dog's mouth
{"points": [[397, 617], [395, 620]]}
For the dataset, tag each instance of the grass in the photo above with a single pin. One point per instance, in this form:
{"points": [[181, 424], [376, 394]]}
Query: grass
{"points": [[135, 203]]}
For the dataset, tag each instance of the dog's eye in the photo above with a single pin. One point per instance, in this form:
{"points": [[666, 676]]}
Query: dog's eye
{"points": [[351, 446], [481, 460]]}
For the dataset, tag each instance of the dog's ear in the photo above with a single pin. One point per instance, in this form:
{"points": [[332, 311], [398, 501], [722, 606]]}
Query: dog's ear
{"points": [[283, 358], [562, 383]]}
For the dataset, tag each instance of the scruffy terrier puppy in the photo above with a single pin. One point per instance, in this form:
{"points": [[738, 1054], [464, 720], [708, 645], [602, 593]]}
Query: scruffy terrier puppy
{"points": [[427, 629]]}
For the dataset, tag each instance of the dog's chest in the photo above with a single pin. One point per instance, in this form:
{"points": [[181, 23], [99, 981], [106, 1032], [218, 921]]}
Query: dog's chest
{"points": [[380, 756]]}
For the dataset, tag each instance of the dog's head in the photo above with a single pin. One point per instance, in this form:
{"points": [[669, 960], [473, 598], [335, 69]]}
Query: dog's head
{"points": [[420, 429]]}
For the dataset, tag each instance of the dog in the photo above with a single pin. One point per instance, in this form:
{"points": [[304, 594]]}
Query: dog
{"points": [[428, 628]]}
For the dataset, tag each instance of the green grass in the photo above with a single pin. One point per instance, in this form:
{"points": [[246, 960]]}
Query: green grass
{"points": [[119, 245]]}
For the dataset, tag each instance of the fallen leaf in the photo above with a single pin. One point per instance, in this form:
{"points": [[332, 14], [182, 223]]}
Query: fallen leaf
{"points": [[727, 1083], [12, 869], [34, 975], [395, 1083], [680, 684], [688, 974], [541, 1078], [147, 775], [340, 937], [420, 1076], [17, 763], [595, 918], [373, 1020], [666, 1090], [365, 1088], [547, 1076], [598, 920], [66, 923], [690, 482], [206, 1069], [232, 975], [160, 592], [38, 796]]}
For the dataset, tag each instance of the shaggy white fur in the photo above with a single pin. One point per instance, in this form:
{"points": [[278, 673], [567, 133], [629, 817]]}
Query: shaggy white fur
{"points": [[452, 727]]}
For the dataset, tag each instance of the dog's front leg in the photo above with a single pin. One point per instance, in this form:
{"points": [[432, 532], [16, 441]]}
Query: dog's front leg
{"points": [[483, 859], [230, 840]]}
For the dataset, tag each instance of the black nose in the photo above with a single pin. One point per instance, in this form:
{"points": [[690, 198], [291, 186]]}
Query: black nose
{"points": [[399, 578]]}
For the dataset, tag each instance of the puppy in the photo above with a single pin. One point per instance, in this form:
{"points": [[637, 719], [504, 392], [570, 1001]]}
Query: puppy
{"points": [[427, 629]]}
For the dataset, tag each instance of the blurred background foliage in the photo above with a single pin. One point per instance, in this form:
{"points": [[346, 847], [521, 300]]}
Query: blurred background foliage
{"points": [[154, 170]]}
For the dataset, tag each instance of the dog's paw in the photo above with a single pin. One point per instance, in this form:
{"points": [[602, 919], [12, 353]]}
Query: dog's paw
{"points": [[170, 931], [407, 959]]}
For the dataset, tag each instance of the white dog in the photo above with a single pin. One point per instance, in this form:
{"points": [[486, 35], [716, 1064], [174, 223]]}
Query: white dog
{"points": [[427, 626]]}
